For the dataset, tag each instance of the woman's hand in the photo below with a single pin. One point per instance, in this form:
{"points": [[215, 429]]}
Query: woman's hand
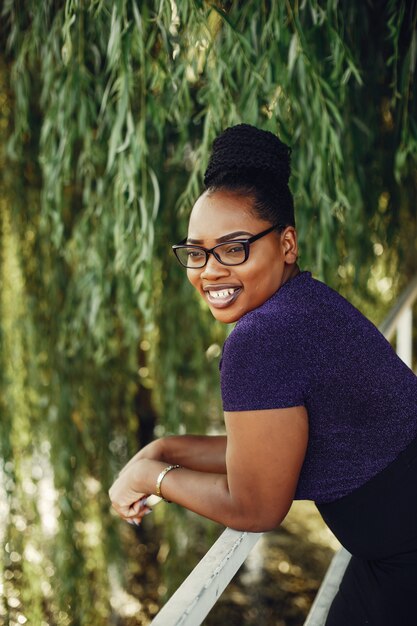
{"points": [[127, 495]]}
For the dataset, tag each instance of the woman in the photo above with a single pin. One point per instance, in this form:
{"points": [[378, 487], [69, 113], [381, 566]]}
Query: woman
{"points": [[317, 404]]}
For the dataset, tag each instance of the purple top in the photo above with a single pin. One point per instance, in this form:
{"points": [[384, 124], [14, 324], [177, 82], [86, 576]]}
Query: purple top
{"points": [[309, 346]]}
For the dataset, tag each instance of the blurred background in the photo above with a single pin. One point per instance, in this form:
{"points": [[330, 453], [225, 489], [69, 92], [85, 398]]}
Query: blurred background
{"points": [[107, 113]]}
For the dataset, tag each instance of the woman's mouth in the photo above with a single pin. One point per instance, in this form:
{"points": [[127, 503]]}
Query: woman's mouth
{"points": [[221, 297]]}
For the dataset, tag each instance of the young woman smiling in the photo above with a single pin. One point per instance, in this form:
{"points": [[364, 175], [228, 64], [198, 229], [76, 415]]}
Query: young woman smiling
{"points": [[317, 404]]}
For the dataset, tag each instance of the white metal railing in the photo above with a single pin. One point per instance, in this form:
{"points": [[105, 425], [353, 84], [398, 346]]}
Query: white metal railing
{"points": [[193, 600], [200, 591]]}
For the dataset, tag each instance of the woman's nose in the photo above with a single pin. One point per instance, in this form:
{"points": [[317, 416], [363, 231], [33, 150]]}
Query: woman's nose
{"points": [[214, 269]]}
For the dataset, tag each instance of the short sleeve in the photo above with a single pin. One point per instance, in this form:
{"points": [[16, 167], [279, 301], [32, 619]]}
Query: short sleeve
{"points": [[262, 366]]}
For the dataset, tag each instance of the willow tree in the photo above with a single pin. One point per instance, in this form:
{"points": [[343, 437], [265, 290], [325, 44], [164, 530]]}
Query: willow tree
{"points": [[107, 112]]}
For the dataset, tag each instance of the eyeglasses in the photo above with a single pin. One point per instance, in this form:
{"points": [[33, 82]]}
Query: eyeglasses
{"points": [[234, 252]]}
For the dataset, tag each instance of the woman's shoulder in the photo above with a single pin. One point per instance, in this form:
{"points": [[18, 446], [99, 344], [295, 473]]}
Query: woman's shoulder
{"points": [[301, 309], [290, 306]]}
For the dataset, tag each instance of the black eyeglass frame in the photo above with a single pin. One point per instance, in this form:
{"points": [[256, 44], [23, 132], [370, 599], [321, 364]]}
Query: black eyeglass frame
{"points": [[245, 242]]}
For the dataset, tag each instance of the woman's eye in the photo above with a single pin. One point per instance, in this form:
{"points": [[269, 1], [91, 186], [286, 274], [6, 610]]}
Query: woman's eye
{"points": [[195, 254], [236, 248]]}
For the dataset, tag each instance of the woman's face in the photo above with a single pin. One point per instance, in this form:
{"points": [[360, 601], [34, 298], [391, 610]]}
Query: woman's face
{"points": [[232, 291]]}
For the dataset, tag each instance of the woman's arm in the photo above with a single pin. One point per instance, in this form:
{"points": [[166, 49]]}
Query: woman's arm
{"points": [[264, 455]]}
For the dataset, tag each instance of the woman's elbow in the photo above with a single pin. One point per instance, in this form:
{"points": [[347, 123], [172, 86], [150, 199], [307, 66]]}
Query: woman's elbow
{"points": [[257, 522]]}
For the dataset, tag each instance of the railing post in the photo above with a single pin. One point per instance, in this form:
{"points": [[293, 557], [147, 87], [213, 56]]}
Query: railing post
{"points": [[405, 336], [328, 589]]}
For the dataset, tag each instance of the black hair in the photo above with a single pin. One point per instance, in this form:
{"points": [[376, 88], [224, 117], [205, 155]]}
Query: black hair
{"points": [[255, 163]]}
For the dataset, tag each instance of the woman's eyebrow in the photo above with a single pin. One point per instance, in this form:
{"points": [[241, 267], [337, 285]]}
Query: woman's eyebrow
{"points": [[223, 238]]}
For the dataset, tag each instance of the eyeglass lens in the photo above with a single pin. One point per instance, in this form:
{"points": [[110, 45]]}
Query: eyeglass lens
{"points": [[231, 253]]}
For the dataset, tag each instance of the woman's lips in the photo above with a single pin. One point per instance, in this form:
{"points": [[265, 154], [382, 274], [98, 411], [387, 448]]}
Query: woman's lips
{"points": [[219, 298]]}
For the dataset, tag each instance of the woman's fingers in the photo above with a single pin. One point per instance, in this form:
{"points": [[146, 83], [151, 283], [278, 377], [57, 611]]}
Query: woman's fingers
{"points": [[139, 515], [133, 512], [127, 503], [137, 506]]}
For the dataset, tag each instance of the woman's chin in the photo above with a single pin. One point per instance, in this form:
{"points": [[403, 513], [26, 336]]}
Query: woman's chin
{"points": [[227, 315]]}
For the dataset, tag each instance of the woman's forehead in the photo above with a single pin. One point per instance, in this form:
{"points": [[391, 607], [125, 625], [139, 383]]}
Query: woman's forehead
{"points": [[219, 213]]}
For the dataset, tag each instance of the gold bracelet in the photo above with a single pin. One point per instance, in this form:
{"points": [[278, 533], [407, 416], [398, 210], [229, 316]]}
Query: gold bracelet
{"points": [[161, 477]]}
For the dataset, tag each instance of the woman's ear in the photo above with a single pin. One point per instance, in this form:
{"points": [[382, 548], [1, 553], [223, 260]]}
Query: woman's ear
{"points": [[290, 244]]}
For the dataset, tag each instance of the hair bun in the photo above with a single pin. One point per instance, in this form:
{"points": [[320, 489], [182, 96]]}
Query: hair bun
{"points": [[246, 148]]}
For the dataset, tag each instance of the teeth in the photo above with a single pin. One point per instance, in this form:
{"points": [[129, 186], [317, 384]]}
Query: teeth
{"points": [[222, 294]]}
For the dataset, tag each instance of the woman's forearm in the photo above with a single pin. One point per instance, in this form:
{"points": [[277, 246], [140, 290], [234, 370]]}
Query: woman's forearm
{"points": [[202, 453], [208, 494]]}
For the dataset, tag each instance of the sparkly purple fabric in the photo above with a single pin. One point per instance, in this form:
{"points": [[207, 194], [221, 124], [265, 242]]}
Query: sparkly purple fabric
{"points": [[309, 346]]}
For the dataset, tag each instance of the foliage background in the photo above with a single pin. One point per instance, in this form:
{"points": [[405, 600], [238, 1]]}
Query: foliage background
{"points": [[107, 112]]}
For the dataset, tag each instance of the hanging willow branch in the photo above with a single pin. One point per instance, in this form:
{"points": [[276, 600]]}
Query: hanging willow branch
{"points": [[125, 89]]}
